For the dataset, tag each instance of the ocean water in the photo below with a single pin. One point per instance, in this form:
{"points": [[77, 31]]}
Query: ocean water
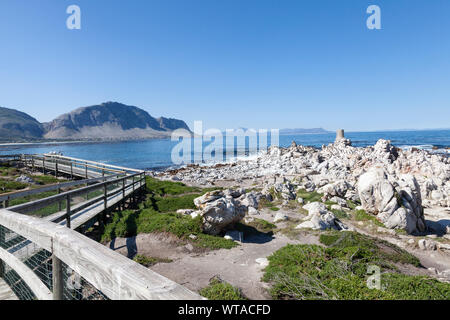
{"points": [[156, 154]]}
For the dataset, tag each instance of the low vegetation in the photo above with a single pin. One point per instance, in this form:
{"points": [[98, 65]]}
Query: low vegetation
{"points": [[309, 196], [158, 214], [340, 271], [362, 215], [10, 186], [256, 227], [149, 261], [8, 174], [221, 290]]}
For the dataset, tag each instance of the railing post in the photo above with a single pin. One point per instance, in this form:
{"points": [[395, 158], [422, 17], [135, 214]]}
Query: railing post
{"points": [[6, 203], [57, 275], [68, 211], [105, 196], [71, 171], [2, 240], [59, 202], [56, 168], [32, 162], [43, 164], [2, 269], [85, 166]]}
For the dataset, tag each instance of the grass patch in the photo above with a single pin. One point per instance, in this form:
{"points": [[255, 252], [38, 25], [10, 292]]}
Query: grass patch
{"points": [[351, 204], [10, 186], [161, 187], [362, 215], [340, 214], [9, 171], [171, 204], [257, 226], [157, 214], [221, 290], [309, 196], [26, 199], [44, 179], [274, 208], [150, 261], [262, 225], [130, 223], [375, 250], [339, 271]]}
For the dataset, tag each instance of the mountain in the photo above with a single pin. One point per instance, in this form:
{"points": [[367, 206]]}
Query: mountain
{"points": [[18, 126], [303, 131], [110, 121]]}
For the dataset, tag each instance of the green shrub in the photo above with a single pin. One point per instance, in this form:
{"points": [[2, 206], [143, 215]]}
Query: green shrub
{"points": [[339, 271], [172, 204], [9, 186], [44, 179], [362, 215], [262, 225], [351, 204], [160, 187], [309, 196], [149, 261], [221, 290], [131, 223], [340, 214]]}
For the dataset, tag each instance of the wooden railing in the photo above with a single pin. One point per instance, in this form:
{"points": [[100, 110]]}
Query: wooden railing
{"points": [[114, 275], [5, 198], [59, 250]]}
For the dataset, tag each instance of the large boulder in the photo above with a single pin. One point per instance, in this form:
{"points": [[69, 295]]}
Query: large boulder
{"points": [[319, 218], [398, 207], [219, 212], [336, 189], [384, 150]]}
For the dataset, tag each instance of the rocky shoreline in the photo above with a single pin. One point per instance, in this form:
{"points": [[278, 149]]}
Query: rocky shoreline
{"points": [[392, 184]]}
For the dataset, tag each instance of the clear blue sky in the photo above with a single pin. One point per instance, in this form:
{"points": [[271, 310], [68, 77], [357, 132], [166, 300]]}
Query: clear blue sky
{"points": [[231, 63]]}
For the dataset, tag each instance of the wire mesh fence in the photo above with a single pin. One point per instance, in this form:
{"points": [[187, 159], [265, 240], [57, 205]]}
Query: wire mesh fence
{"points": [[39, 261]]}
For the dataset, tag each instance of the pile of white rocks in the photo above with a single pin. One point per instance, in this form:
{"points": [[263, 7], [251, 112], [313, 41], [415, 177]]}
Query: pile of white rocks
{"points": [[391, 183]]}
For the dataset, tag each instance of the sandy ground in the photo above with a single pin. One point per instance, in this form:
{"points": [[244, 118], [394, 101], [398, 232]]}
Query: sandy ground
{"points": [[193, 267]]}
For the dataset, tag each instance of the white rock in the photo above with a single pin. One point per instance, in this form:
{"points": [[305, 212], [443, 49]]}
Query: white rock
{"points": [[280, 217], [252, 211], [185, 211], [263, 262], [234, 235], [427, 245]]}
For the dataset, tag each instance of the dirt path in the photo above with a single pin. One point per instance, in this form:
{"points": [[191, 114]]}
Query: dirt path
{"points": [[194, 269]]}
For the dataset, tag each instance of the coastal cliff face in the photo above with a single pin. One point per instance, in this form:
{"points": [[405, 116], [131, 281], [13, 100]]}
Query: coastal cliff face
{"points": [[107, 121], [19, 125]]}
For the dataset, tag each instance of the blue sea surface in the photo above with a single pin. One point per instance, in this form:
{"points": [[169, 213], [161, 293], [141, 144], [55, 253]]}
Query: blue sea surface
{"points": [[156, 154]]}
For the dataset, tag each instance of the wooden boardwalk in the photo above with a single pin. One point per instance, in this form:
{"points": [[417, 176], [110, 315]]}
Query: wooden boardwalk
{"points": [[53, 239]]}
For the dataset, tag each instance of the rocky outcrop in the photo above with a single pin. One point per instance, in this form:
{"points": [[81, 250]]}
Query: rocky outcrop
{"points": [[397, 205], [218, 211], [392, 183], [319, 218]]}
